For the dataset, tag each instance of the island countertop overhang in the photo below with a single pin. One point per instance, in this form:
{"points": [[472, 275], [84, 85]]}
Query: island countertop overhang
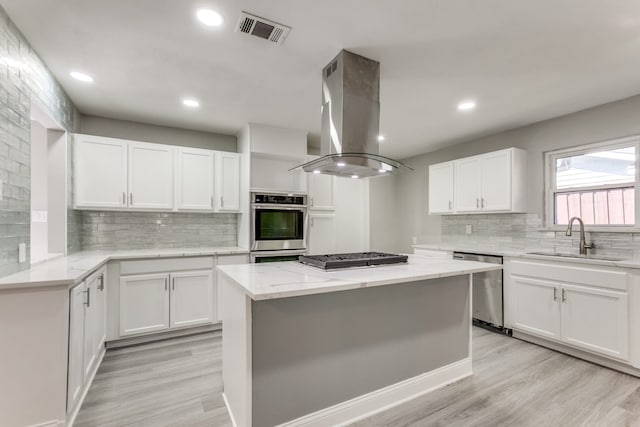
{"points": [[290, 279]]}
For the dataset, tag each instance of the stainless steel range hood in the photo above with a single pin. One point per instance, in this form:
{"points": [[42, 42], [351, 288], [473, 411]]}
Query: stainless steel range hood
{"points": [[351, 120]]}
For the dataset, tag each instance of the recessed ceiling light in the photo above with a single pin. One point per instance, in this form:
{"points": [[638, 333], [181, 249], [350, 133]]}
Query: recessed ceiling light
{"points": [[193, 103], [81, 76], [380, 138], [341, 164], [209, 17], [316, 171], [381, 170], [354, 176], [466, 105]]}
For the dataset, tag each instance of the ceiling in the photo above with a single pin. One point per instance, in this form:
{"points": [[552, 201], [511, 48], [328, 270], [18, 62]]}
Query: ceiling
{"points": [[521, 61]]}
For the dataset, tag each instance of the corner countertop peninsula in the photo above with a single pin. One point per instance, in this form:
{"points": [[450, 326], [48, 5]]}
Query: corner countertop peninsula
{"points": [[313, 347]]}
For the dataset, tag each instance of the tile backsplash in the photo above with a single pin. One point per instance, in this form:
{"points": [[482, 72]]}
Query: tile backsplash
{"points": [[24, 80], [141, 230], [524, 232]]}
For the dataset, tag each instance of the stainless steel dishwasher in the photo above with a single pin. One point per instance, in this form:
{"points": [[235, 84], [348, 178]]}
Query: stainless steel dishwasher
{"points": [[488, 308]]}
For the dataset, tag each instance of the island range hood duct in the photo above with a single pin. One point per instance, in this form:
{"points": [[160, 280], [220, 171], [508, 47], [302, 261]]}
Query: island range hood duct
{"points": [[351, 120]]}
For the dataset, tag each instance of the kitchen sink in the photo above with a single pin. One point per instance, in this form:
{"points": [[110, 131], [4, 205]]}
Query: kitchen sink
{"points": [[566, 255]]}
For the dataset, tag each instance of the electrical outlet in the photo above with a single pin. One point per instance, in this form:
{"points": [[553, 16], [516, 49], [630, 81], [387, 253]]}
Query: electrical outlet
{"points": [[414, 240], [468, 229], [22, 252]]}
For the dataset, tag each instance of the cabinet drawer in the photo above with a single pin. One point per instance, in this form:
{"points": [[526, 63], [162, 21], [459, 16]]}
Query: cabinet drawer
{"points": [[157, 265], [603, 277]]}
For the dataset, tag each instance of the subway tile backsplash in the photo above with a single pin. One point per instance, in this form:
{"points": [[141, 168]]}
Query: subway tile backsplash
{"points": [[140, 230], [524, 232]]}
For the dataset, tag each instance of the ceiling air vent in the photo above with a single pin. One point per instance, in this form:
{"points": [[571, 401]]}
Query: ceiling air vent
{"points": [[263, 28]]}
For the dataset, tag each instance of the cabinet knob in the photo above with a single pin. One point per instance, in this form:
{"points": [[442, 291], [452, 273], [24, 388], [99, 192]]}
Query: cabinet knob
{"points": [[88, 301], [212, 201], [564, 295], [555, 294], [482, 202], [311, 201], [450, 205], [222, 201], [124, 198], [477, 202], [131, 198]]}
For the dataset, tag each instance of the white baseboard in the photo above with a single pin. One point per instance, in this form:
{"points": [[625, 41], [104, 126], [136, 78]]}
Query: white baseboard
{"points": [[377, 401], [54, 423], [233, 420], [580, 354]]}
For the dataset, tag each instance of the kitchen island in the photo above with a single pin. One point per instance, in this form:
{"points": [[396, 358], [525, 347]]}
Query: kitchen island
{"points": [[302, 346]]}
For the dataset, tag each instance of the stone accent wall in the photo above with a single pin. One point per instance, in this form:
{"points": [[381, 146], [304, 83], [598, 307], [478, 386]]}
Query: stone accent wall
{"points": [[524, 232], [24, 79], [143, 230]]}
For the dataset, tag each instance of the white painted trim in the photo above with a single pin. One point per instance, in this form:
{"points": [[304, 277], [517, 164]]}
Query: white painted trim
{"points": [[233, 419], [52, 423], [380, 400]]}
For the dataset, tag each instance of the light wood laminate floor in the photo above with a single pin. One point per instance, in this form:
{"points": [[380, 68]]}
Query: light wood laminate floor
{"points": [[178, 383]]}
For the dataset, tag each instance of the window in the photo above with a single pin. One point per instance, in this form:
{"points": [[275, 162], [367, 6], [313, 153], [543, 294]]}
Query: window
{"points": [[595, 182]]}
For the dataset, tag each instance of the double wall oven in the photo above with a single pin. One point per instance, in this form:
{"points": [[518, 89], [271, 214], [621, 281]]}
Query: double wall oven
{"points": [[278, 226]]}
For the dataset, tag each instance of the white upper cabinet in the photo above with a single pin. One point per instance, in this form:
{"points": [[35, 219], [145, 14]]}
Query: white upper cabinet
{"points": [[117, 174], [194, 179], [100, 172], [228, 182], [491, 182], [441, 188], [497, 175], [150, 176], [321, 192]]}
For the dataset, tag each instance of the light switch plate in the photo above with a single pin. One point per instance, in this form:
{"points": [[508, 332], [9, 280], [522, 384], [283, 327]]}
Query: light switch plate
{"points": [[22, 252], [468, 229]]}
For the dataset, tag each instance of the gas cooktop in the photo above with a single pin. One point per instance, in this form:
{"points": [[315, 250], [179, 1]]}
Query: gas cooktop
{"points": [[357, 259]]}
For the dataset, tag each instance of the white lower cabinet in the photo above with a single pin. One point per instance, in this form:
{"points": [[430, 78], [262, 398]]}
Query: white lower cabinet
{"points": [[144, 303], [87, 332], [583, 307], [596, 320], [536, 306], [76, 345], [156, 302], [191, 299]]}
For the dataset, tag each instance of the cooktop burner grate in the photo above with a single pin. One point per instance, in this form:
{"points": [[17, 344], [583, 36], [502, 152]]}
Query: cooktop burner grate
{"points": [[358, 259]]}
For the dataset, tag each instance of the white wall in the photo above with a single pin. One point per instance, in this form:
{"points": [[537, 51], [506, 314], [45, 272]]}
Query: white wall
{"points": [[608, 121], [102, 126]]}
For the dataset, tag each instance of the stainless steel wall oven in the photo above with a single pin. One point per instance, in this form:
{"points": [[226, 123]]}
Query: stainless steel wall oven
{"points": [[278, 222]]}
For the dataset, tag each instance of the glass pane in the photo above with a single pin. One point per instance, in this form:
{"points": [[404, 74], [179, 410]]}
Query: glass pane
{"points": [[274, 224], [598, 207], [611, 167]]}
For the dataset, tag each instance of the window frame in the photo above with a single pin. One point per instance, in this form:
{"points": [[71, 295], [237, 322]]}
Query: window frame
{"points": [[550, 189]]}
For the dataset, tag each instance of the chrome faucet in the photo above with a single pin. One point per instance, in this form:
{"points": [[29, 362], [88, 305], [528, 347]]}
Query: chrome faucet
{"points": [[583, 243]]}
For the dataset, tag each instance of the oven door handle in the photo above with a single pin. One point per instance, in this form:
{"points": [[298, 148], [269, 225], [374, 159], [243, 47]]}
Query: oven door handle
{"points": [[281, 207]]}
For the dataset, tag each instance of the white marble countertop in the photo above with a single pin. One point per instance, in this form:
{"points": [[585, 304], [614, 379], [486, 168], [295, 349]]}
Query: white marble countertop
{"points": [[75, 267], [527, 253], [289, 279]]}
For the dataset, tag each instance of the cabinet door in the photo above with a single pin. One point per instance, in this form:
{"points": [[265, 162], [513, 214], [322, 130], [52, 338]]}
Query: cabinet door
{"points": [[90, 321], [496, 181], [320, 236], [228, 179], [75, 370], [536, 307], [321, 191], [150, 176], [225, 260], [144, 303], [596, 320], [100, 304], [441, 188], [467, 184], [192, 298], [194, 179], [100, 172]]}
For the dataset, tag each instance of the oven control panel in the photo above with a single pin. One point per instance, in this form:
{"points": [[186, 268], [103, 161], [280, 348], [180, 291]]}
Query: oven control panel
{"points": [[279, 199]]}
